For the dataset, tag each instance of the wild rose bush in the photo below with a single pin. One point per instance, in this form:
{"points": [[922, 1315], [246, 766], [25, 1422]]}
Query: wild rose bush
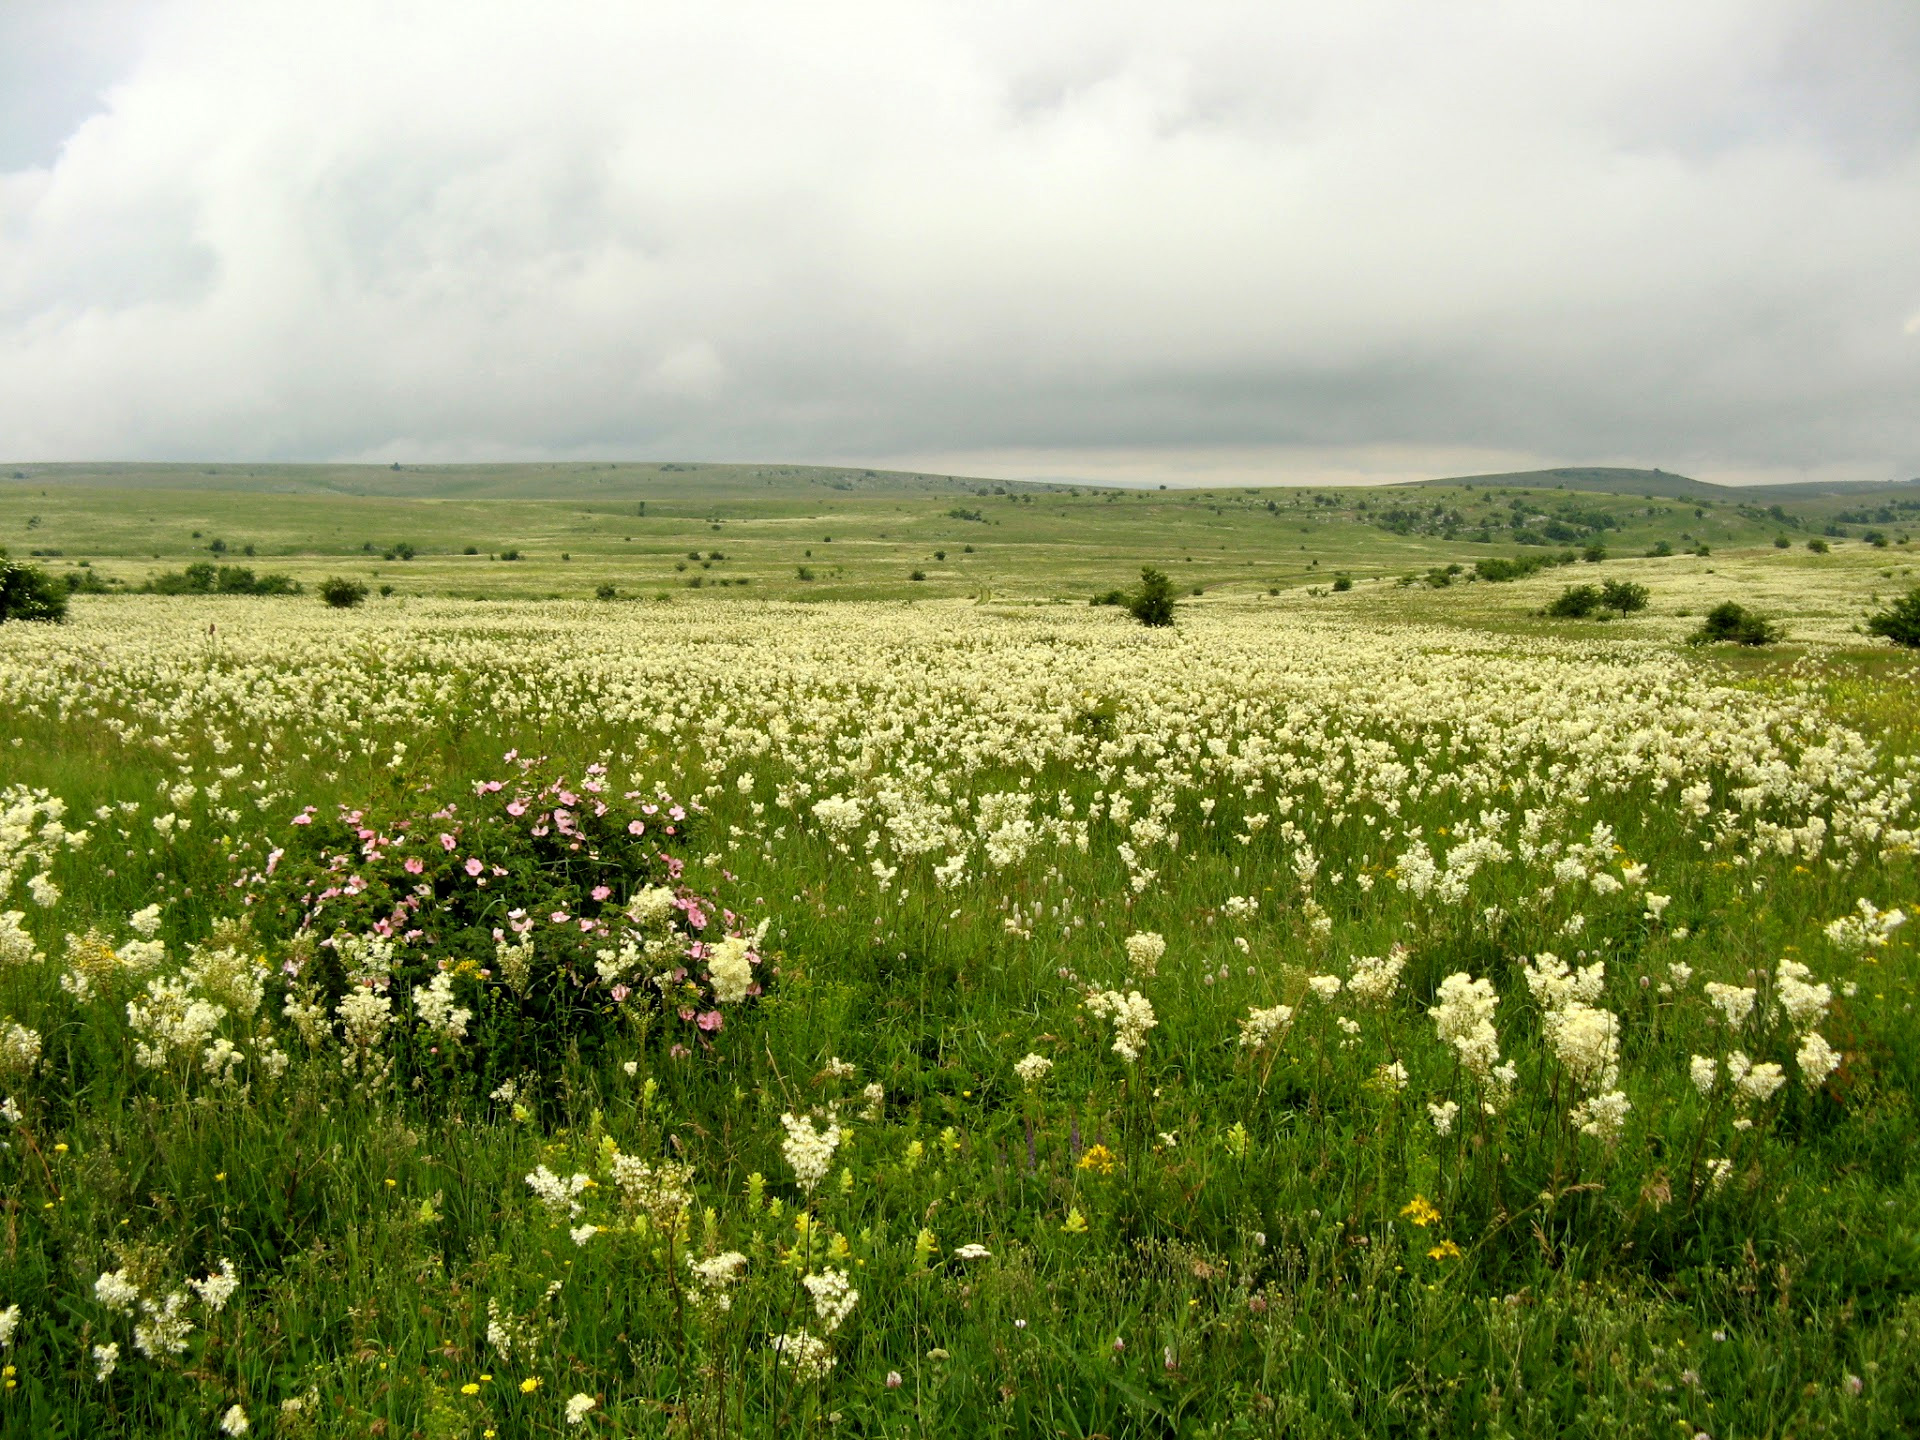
{"points": [[551, 910]]}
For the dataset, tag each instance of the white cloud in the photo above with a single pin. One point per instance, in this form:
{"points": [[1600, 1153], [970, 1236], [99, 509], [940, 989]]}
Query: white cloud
{"points": [[1335, 237]]}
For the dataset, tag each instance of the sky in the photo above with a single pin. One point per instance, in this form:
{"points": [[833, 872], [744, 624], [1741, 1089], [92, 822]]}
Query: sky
{"points": [[1195, 243]]}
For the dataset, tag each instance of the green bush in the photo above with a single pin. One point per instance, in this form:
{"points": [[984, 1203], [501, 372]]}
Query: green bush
{"points": [[606, 590], [1342, 583], [1152, 603], [203, 578], [538, 896], [342, 594], [28, 593], [1732, 623], [1624, 596], [1576, 602], [1900, 621]]}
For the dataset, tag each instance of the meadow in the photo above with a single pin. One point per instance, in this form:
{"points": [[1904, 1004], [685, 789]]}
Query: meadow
{"points": [[886, 1007]]}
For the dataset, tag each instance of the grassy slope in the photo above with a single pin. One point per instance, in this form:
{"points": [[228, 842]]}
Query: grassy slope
{"points": [[862, 534]]}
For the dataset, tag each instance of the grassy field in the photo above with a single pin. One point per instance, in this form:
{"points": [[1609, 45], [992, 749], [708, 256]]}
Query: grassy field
{"points": [[858, 534], [870, 1006]]}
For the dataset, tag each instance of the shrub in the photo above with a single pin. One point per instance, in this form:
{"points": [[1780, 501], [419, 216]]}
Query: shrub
{"points": [[1781, 542], [1152, 603], [606, 590], [401, 551], [1900, 621], [1342, 583], [27, 593], [1594, 553], [342, 594], [546, 901], [1732, 623], [1661, 549], [1818, 546], [509, 554], [1624, 596], [1876, 538], [804, 572], [1576, 602], [918, 575]]}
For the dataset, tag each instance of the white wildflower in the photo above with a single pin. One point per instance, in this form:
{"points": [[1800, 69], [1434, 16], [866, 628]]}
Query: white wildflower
{"points": [[833, 1297], [809, 1151], [1132, 1016]]}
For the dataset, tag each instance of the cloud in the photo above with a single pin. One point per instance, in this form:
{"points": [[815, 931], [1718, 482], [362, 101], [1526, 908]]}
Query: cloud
{"points": [[1079, 239]]}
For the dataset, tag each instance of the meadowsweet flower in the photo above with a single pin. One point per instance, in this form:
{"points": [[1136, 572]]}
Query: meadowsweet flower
{"points": [[1132, 1016], [803, 1355], [1464, 1019], [1803, 1004], [1032, 1069], [217, 1288], [1261, 1026], [809, 1152], [559, 1195], [164, 1328], [971, 1251], [16, 945], [1324, 986], [1867, 929], [106, 1359], [1816, 1059], [1443, 1115], [833, 1297], [1602, 1116], [234, 1422], [9, 1322], [116, 1290], [1375, 978], [577, 1407], [433, 1003], [19, 1048], [1733, 1002], [712, 1277], [45, 893], [1145, 949], [1761, 1081], [1704, 1071]]}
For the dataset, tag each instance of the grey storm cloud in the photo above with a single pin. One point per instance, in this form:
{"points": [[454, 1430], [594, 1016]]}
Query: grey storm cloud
{"points": [[1254, 239]]}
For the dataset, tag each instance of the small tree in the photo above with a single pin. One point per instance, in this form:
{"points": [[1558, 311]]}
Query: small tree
{"points": [[1624, 596], [28, 593], [342, 594], [1734, 624], [1576, 602], [1900, 621], [1152, 603]]}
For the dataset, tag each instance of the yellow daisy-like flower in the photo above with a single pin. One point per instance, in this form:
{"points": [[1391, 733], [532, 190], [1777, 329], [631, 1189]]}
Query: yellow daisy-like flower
{"points": [[1445, 1250], [1420, 1211], [529, 1385], [470, 1388], [1098, 1159]]}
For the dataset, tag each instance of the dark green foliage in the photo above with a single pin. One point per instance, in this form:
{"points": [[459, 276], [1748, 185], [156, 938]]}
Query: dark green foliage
{"points": [[1152, 603], [606, 590], [1732, 623], [1624, 596], [28, 593], [203, 578], [918, 575], [1576, 602], [1900, 621], [401, 551], [1342, 583], [1594, 553], [1818, 546], [342, 594], [1661, 549]]}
